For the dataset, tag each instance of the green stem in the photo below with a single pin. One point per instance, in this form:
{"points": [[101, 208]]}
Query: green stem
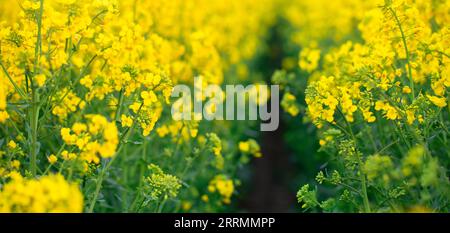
{"points": [[141, 165], [362, 177], [119, 105], [102, 174], [161, 206], [34, 116], [364, 186], [37, 48], [411, 82]]}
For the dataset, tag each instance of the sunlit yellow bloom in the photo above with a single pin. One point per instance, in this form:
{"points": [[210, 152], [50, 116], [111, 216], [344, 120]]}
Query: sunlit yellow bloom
{"points": [[309, 59], [126, 121], [12, 144], [3, 116], [406, 90], [438, 101], [47, 194], [223, 186], [52, 159], [289, 104], [40, 79], [410, 116], [244, 146], [251, 147], [15, 164]]}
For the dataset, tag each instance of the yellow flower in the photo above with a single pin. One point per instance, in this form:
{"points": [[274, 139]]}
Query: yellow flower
{"points": [[215, 144], [40, 79], [244, 146], [98, 137], [438, 101], [289, 104], [68, 156], [14, 175], [86, 81], [15, 164], [68, 138], [368, 116], [420, 118], [223, 186], [379, 105], [250, 146], [410, 117], [52, 159], [126, 121], [79, 128], [162, 131], [391, 113], [193, 132], [149, 97], [328, 115], [135, 107], [50, 193], [12, 144], [65, 102], [3, 116], [406, 90], [309, 59]]}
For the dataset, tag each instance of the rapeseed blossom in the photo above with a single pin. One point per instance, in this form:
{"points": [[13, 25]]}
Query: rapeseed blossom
{"points": [[50, 194]]}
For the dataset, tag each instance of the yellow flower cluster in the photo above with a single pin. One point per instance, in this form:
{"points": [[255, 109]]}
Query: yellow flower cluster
{"points": [[316, 20], [178, 130], [378, 91], [250, 147], [289, 104], [47, 194], [326, 97], [214, 145], [148, 112], [224, 186], [309, 59], [123, 48], [89, 67], [390, 71], [66, 102], [97, 138]]}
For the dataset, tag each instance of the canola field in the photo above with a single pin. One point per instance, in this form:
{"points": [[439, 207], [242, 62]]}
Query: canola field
{"points": [[85, 104]]}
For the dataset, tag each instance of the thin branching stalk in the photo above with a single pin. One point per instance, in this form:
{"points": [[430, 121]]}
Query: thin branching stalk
{"points": [[102, 174], [408, 61], [34, 115], [362, 176]]}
